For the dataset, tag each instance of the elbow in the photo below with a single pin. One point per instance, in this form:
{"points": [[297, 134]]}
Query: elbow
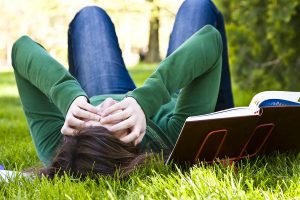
{"points": [[213, 40], [217, 38], [218, 49], [16, 49], [219, 44]]}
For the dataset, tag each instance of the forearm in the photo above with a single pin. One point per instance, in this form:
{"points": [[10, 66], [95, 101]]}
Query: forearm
{"points": [[33, 63], [195, 57]]}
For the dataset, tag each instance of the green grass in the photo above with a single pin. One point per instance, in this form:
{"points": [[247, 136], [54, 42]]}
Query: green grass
{"points": [[273, 177]]}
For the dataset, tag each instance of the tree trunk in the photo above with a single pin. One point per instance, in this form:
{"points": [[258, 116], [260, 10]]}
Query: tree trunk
{"points": [[153, 54]]}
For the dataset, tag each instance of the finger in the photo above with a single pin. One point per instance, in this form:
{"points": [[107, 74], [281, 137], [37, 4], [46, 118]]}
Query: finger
{"points": [[74, 122], [86, 106], [120, 134], [109, 102], [117, 116], [131, 136], [99, 109], [139, 139], [126, 124], [85, 114], [91, 124], [118, 106], [104, 103], [66, 130]]}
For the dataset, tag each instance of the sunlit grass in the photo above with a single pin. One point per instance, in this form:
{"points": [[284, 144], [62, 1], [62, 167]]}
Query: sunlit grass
{"points": [[140, 72], [273, 177]]}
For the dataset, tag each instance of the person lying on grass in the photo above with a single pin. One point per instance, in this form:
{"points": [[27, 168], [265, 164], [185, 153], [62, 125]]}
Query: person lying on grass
{"points": [[96, 122]]}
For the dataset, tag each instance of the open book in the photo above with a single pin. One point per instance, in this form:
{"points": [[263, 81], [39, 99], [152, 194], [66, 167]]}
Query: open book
{"points": [[7, 175], [269, 123]]}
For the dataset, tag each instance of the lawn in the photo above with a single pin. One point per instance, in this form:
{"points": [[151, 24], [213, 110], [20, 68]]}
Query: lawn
{"points": [[272, 177]]}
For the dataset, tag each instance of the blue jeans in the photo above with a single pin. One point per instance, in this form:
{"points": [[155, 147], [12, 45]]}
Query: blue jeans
{"points": [[95, 58], [94, 55]]}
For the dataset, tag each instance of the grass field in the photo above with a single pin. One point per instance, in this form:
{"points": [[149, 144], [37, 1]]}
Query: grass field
{"points": [[273, 177]]}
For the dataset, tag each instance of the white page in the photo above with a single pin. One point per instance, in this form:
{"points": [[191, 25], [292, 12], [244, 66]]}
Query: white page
{"points": [[232, 112], [6, 175]]}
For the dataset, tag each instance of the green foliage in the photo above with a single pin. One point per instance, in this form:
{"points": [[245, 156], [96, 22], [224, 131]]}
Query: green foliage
{"points": [[263, 38]]}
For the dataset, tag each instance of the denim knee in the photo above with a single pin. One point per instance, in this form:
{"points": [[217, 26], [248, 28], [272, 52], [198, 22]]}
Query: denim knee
{"points": [[192, 4], [205, 9], [90, 13]]}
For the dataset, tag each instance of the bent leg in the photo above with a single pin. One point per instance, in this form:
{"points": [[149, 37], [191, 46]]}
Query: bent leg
{"points": [[192, 16], [95, 57]]}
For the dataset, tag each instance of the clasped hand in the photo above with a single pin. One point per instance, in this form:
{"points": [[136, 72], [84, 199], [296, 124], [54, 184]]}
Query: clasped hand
{"points": [[125, 119], [129, 116], [80, 111]]}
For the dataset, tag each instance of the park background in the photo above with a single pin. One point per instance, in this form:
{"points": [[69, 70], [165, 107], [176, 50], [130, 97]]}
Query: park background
{"points": [[263, 36], [263, 40]]}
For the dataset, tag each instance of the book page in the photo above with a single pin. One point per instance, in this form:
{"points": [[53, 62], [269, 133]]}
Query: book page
{"points": [[285, 95], [6, 175], [232, 112]]}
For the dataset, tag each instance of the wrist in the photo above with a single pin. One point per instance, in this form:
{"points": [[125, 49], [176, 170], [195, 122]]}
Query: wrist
{"points": [[80, 98], [77, 99]]}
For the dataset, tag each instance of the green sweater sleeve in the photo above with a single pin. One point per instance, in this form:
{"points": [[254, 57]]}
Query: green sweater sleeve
{"points": [[31, 61], [192, 59]]}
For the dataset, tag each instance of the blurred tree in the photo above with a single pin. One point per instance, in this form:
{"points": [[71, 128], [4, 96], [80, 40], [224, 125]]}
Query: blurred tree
{"points": [[153, 54], [264, 43], [47, 22]]}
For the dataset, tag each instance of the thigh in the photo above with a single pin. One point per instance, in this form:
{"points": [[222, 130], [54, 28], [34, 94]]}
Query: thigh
{"points": [[95, 57]]}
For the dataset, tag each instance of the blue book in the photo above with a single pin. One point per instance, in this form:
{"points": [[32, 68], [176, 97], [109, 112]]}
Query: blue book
{"points": [[275, 98], [278, 102]]}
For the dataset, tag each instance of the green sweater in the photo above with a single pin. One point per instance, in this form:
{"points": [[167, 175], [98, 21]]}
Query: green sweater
{"points": [[47, 90]]}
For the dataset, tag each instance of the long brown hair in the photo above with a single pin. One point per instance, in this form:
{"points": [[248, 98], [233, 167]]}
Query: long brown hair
{"points": [[92, 152]]}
